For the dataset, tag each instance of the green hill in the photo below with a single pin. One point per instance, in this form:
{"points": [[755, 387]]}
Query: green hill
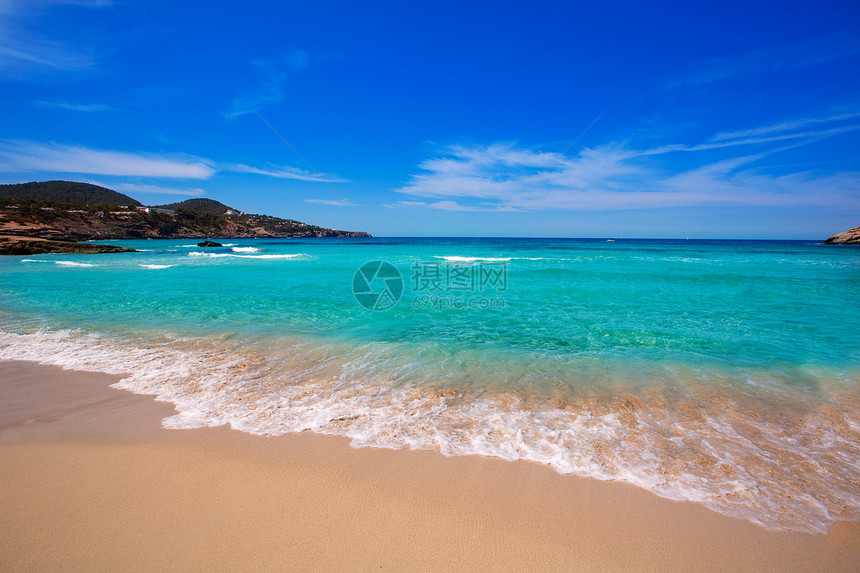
{"points": [[200, 206], [81, 211], [66, 192]]}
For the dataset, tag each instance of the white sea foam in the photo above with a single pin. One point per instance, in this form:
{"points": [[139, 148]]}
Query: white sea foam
{"points": [[73, 264], [454, 259], [245, 250], [209, 255], [237, 256], [156, 266], [61, 263], [709, 449]]}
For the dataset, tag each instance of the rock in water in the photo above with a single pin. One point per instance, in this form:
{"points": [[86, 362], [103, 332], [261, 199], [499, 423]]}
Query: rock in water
{"points": [[209, 244], [849, 237], [11, 245]]}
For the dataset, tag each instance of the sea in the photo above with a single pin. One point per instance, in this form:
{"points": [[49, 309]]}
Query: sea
{"points": [[725, 373]]}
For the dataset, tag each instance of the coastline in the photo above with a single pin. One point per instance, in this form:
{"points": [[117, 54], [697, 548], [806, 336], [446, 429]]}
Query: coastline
{"points": [[92, 481]]}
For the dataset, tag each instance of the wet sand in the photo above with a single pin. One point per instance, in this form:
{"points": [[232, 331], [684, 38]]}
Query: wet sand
{"points": [[89, 481]]}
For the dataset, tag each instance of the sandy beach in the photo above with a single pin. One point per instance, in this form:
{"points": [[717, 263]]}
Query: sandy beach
{"points": [[90, 481]]}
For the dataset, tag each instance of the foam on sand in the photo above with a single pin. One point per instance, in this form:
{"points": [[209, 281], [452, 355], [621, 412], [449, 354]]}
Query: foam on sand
{"points": [[791, 467]]}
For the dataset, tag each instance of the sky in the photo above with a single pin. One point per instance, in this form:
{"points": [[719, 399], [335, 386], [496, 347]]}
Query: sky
{"points": [[554, 119]]}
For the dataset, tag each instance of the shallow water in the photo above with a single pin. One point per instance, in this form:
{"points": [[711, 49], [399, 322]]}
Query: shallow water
{"points": [[722, 372]]}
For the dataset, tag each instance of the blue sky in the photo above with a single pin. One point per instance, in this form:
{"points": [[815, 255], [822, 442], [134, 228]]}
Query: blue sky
{"points": [[733, 119]]}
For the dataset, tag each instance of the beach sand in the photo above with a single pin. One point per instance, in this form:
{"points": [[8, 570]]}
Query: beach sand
{"points": [[89, 481]]}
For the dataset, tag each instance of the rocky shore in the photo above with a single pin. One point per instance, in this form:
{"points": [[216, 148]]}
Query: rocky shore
{"points": [[849, 237], [16, 245]]}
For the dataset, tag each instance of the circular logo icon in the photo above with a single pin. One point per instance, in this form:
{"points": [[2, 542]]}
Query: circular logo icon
{"points": [[377, 285]]}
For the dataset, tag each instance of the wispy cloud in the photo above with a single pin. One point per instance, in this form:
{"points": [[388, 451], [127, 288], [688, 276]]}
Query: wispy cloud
{"points": [[784, 126], [451, 206], [332, 202], [33, 157], [26, 156], [138, 188], [615, 176], [255, 100], [26, 51], [85, 107], [282, 172], [714, 143], [52, 56], [774, 59], [274, 74]]}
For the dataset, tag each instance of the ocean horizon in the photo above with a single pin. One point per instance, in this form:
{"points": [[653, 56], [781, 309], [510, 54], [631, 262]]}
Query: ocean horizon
{"points": [[719, 371]]}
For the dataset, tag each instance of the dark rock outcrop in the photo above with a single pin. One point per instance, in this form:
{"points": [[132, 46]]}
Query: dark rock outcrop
{"points": [[35, 246], [849, 237], [209, 244]]}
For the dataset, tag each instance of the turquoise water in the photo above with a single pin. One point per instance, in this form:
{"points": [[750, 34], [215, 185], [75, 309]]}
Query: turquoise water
{"points": [[722, 372]]}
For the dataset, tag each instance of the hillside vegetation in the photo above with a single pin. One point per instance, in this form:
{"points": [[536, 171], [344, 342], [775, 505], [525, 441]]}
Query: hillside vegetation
{"points": [[81, 211], [66, 192]]}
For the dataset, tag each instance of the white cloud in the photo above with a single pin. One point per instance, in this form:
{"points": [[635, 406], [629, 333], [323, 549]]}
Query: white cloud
{"points": [[25, 156], [33, 157], [500, 176], [282, 172]]}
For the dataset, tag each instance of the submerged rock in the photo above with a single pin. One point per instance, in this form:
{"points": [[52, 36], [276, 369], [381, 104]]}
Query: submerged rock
{"points": [[209, 244], [849, 237]]}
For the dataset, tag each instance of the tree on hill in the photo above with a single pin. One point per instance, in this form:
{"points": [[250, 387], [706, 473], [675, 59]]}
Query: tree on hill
{"points": [[66, 192], [199, 206]]}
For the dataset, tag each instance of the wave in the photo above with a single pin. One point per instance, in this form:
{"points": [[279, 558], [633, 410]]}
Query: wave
{"points": [[156, 266], [246, 250], [235, 256], [782, 468], [73, 264], [60, 263], [453, 259]]}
